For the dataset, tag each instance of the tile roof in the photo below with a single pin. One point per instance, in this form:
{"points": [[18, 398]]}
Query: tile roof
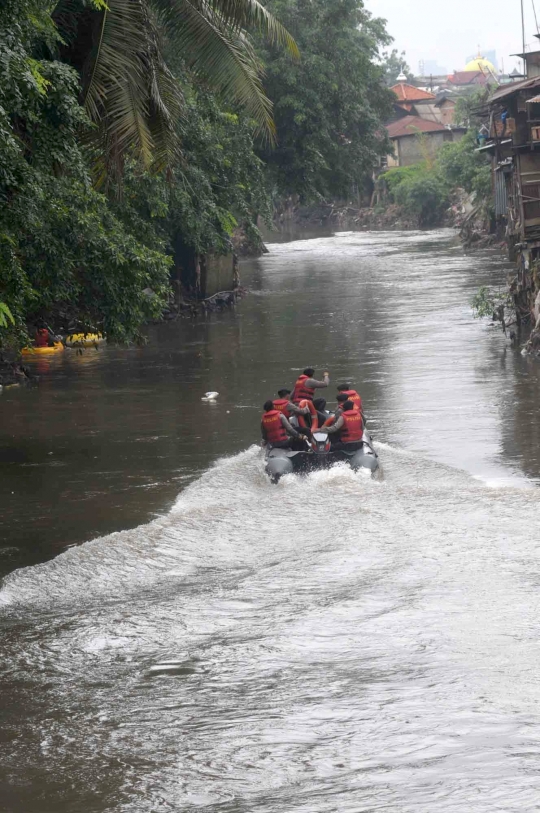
{"points": [[468, 78], [408, 93], [411, 125]]}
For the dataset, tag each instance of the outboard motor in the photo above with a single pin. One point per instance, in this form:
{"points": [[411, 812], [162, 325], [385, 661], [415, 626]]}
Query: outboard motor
{"points": [[278, 463], [320, 442]]}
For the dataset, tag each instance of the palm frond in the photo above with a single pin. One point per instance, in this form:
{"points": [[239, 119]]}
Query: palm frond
{"points": [[123, 91], [236, 16], [225, 59], [249, 14]]}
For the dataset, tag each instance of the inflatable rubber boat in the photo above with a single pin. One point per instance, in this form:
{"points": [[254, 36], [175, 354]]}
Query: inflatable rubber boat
{"points": [[84, 339], [319, 455], [318, 452], [43, 351]]}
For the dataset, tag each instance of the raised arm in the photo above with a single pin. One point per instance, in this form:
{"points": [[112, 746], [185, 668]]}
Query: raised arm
{"points": [[313, 384]]}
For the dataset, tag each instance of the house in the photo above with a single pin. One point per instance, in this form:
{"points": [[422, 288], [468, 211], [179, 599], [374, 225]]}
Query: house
{"points": [[421, 125], [514, 146], [478, 72], [469, 81], [416, 139], [411, 100], [406, 94]]}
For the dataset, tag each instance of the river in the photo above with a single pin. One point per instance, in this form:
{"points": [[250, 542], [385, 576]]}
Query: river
{"points": [[331, 643]]}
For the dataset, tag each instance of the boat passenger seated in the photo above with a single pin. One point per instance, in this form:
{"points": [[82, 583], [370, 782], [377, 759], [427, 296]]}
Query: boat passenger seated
{"points": [[341, 398], [277, 431], [42, 336], [347, 429], [345, 389], [285, 405], [305, 386]]}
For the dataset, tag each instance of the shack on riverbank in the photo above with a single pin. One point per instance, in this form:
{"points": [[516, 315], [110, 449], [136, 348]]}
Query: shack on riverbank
{"points": [[514, 146]]}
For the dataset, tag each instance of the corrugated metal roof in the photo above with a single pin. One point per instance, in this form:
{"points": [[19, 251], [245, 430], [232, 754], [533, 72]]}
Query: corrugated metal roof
{"points": [[501, 202], [514, 87], [411, 125], [429, 112], [534, 100]]}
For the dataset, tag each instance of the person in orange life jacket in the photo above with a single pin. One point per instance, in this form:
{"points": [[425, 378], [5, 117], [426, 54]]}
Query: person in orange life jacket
{"points": [[306, 385], [340, 398], [276, 429], [285, 405], [42, 336], [348, 429], [351, 394]]}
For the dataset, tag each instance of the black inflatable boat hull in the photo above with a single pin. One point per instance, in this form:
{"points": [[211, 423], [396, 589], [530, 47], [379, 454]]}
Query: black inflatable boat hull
{"points": [[284, 461]]}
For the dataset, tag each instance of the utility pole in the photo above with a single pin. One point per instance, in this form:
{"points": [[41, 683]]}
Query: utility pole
{"points": [[523, 39]]}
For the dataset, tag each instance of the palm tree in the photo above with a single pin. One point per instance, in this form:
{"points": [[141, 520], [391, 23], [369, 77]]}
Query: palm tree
{"points": [[129, 92]]}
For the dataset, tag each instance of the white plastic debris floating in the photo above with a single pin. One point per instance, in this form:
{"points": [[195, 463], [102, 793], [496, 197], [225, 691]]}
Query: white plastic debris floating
{"points": [[210, 396]]}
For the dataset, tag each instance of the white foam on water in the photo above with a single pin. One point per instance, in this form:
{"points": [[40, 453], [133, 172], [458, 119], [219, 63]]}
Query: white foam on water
{"points": [[284, 646]]}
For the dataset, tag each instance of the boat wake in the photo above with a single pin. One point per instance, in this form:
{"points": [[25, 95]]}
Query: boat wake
{"points": [[275, 647]]}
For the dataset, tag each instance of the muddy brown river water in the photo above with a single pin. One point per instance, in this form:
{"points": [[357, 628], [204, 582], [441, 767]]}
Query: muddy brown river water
{"points": [[180, 635]]}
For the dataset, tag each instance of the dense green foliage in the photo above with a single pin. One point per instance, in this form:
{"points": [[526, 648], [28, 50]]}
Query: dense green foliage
{"points": [[128, 89], [422, 193], [329, 106], [154, 94], [425, 189], [68, 253], [460, 165], [6, 317], [217, 183], [63, 253], [472, 110], [394, 63]]}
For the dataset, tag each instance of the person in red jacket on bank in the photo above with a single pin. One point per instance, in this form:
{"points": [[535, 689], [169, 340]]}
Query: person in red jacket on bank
{"points": [[276, 430], [348, 429]]}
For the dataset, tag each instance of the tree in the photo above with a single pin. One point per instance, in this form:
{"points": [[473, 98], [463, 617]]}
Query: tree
{"points": [[461, 165], [329, 106], [472, 110], [215, 185], [64, 254], [127, 88], [394, 64]]}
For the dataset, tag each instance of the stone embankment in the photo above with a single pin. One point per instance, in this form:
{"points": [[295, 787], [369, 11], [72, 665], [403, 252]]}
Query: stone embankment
{"points": [[465, 213], [344, 217]]}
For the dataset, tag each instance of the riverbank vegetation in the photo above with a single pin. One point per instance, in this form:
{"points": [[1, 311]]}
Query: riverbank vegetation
{"points": [[137, 135], [427, 190]]}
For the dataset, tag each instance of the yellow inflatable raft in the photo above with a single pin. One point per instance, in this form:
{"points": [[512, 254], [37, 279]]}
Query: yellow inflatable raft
{"points": [[42, 351], [84, 339]]}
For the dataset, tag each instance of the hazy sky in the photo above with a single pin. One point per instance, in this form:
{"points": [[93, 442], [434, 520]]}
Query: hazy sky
{"points": [[449, 32]]}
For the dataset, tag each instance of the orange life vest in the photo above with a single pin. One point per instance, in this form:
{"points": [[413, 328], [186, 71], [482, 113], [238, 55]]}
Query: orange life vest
{"points": [[42, 337], [353, 396], [353, 428], [281, 405], [302, 392], [275, 431]]}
